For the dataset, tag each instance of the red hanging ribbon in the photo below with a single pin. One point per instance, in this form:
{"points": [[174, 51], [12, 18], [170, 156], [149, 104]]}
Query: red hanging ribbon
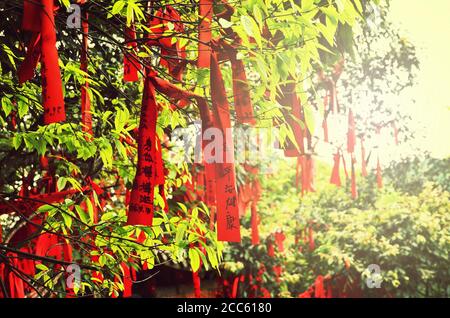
{"points": [[241, 89], [363, 159], [319, 290], [289, 99], [32, 58], [204, 38], [279, 239], [394, 127], [196, 280], [141, 208], [228, 226], [31, 20], [345, 166], [354, 190], [335, 175], [379, 175], [256, 189], [325, 129], [131, 65], [311, 242], [52, 91], [351, 133], [86, 116]]}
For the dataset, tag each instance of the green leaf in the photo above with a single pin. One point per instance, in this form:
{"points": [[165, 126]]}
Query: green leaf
{"points": [[309, 118], [117, 7], [251, 28], [61, 183], [194, 259], [7, 106]]}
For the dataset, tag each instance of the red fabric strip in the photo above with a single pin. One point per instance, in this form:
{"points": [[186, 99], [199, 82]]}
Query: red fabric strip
{"points": [[394, 127], [351, 134], [319, 290], [141, 208], [363, 159], [127, 280], [255, 223], [172, 55], [289, 99], [31, 20], [204, 37], [241, 89], [32, 57], [335, 176], [344, 165], [86, 116], [235, 287], [228, 227], [325, 129], [52, 90], [279, 239], [354, 190], [311, 242], [196, 281], [131, 65], [379, 175]]}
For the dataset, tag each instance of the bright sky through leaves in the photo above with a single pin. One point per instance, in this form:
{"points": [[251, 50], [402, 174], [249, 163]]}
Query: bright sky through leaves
{"points": [[425, 24]]}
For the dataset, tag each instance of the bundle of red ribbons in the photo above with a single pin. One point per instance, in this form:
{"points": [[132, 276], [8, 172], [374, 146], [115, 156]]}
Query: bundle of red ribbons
{"points": [[39, 20], [220, 177]]}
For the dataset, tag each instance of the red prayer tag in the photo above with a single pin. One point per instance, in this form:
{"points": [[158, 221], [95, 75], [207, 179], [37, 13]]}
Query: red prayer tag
{"points": [[351, 134], [379, 176], [31, 20], [335, 175], [289, 99], [204, 38], [86, 115], [52, 91], [32, 57], [141, 208], [131, 65], [354, 190], [228, 226]]}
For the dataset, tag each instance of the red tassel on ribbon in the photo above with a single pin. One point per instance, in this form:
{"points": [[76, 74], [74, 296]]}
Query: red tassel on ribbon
{"points": [[335, 175], [228, 227], [52, 92], [351, 133]]}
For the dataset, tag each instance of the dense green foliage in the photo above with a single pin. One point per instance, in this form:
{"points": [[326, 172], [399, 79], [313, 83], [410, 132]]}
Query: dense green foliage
{"points": [[408, 236]]}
